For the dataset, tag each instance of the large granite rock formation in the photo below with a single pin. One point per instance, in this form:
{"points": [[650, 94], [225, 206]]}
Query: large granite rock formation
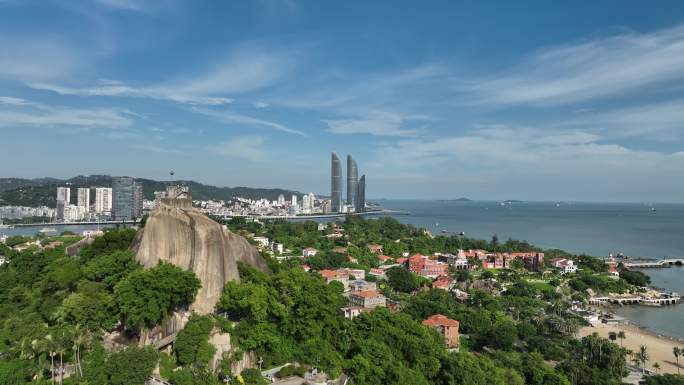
{"points": [[177, 233]]}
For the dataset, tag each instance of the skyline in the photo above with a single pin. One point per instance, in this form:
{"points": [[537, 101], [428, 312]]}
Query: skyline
{"points": [[436, 102]]}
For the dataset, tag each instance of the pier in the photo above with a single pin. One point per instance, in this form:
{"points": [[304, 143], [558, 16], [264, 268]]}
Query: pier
{"points": [[663, 299], [647, 264]]}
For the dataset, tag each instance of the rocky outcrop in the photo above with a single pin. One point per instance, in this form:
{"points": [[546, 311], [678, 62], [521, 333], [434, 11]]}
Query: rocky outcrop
{"points": [[181, 235]]}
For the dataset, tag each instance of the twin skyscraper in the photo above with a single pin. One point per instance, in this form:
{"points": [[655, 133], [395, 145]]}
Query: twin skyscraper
{"points": [[356, 188]]}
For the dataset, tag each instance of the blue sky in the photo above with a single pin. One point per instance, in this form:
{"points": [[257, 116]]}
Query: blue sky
{"points": [[529, 100]]}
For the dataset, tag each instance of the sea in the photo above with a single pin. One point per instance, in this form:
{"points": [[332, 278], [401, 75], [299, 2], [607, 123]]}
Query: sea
{"points": [[598, 229]]}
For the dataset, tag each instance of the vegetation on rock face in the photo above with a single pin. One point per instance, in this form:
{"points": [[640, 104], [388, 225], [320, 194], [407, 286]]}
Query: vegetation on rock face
{"points": [[192, 345], [146, 296]]}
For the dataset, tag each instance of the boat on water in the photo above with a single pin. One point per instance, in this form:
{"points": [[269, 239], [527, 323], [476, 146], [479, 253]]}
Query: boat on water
{"points": [[46, 230]]}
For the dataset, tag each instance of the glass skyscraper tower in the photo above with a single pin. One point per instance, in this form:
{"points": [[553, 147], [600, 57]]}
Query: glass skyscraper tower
{"points": [[352, 181], [361, 195], [336, 184]]}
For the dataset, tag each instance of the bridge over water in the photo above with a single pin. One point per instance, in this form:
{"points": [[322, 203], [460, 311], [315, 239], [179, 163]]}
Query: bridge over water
{"points": [[654, 263]]}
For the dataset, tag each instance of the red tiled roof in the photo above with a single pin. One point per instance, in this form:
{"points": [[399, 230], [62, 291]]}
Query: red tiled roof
{"points": [[440, 320], [366, 293]]}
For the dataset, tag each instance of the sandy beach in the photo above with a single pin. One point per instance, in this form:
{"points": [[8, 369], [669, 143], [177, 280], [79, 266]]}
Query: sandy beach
{"points": [[659, 348]]}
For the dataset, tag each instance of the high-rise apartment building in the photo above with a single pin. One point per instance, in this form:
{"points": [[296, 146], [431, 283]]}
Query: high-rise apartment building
{"points": [[294, 200], [64, 194], [352, 181], [103, 199], [127, 198], [83, 198], [335, 184]]}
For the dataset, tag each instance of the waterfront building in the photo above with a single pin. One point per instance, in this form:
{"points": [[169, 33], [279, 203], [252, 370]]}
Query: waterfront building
{"points": [[335, 184], [127, 198], [64, 194], [361, 195], [294, 200], [103, 199], [352, 181], [83, 198], [281, 200]]}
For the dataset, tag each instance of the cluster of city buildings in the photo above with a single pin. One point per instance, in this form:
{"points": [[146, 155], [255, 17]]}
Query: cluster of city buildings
{"points": [[122, 201], [19, 212], [304, 204], [356, 187]]}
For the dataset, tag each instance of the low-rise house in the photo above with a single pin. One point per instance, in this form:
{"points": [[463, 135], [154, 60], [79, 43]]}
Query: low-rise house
{"points": [[96, 233], [361, 285], [402, 260], [375, 249], [351, 311], [352, 259], [368, 299], [447, 327], [383, 258], [566, 266], [309, 252], [322, 226], [3, 238], [53, 244], [613, 269], [3, 259], [262, 241]]}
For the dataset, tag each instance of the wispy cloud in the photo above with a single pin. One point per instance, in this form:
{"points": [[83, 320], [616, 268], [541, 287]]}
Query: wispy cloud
{"points": [[655, 121], [247, 68], [123, 90], [235, 118], [376, 124], [155, 148], [243, 147], [38, 58], [21, 112], [588, 70]]}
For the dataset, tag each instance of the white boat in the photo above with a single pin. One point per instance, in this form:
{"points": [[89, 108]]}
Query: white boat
{"points": [[45, 230]]}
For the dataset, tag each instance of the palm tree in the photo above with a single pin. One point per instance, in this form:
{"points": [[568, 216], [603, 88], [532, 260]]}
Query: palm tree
{"points": [[80, 337], [656, 366], [621, 335], [676, 351], [612, 336], [51, 347], [643, 357]]}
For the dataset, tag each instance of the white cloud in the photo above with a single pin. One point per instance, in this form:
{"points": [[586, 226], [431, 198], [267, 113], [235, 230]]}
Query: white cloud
{"points": [[241, 119], [535, 164], [20, 112], [12, 101], [589, 70], [655, 121], [38, 58], [155, 148], [377, 124], [243, 147], [122, 90], [245, 69]]}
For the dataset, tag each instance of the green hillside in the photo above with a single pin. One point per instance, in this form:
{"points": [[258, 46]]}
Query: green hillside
{"points": [[42, 192]]}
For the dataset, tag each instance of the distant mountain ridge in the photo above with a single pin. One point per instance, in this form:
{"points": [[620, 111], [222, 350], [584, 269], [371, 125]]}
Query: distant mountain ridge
{"points": [[43, 191]]}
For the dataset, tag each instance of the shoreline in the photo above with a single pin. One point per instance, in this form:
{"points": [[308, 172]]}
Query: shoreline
{"points": [[659, 346]]}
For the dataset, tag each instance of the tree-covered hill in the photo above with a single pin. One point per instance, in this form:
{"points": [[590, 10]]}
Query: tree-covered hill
{"points": [[42, 192]]}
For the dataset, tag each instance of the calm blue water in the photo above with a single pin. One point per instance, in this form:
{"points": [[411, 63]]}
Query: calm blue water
{"points": [[592, 228]]}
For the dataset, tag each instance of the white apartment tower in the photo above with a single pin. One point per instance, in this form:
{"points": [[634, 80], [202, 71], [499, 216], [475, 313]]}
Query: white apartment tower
{"points": [[64, 194], [84, 198], [294, 200], [103, 199]]}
